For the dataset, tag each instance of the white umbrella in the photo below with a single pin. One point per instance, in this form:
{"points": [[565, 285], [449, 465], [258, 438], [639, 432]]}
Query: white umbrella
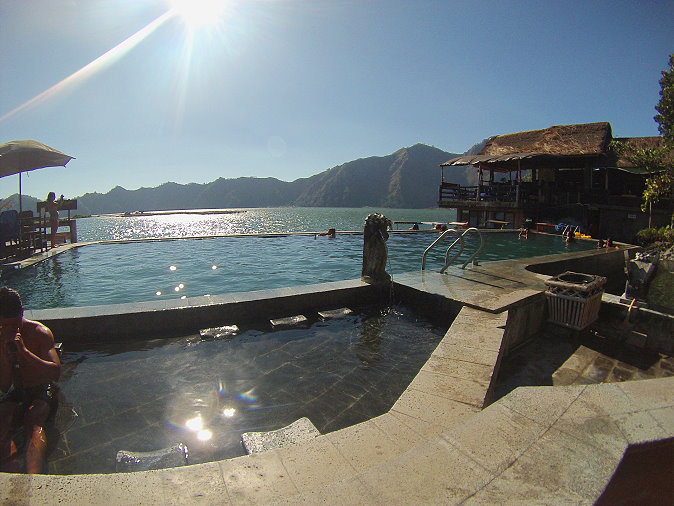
{"points": [[23, 156]]}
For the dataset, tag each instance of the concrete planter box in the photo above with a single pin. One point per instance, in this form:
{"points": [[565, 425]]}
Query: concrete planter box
{"points": [[574, 299]]}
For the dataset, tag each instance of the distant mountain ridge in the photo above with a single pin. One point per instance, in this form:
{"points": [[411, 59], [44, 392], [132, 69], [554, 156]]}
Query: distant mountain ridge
{"points": [[407, 178]]}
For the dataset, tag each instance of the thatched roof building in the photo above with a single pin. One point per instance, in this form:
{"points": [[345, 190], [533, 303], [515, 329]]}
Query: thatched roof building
{"points": [[560, 146], [590, 139]]}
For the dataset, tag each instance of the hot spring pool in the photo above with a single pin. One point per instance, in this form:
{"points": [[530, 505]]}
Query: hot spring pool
{"points": [[116, 273], [148, 394]]}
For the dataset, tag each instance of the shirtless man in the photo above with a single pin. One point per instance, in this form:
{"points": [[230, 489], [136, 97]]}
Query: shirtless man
{"points": [[29, 364]]}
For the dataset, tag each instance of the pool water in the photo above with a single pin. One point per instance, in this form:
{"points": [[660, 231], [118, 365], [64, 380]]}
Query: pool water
{"points": [[144, 271], [149, 394]]}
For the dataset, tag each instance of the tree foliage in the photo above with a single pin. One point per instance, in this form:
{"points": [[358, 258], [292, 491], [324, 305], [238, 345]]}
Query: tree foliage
{"points": [[665, 108], [659, 161]]}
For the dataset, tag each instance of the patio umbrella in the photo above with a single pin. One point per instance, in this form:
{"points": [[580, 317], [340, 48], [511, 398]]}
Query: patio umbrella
{"points": [[23, 156]]}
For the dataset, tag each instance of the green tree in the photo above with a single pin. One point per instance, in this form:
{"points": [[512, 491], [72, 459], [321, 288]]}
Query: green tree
{"points": [[658, 161]]}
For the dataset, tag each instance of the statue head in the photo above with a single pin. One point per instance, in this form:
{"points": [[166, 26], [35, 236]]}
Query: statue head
{"points": [[377, 224]]}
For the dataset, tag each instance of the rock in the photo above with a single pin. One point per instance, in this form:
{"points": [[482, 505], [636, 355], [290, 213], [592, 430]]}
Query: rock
{"points": [[661, 289]]}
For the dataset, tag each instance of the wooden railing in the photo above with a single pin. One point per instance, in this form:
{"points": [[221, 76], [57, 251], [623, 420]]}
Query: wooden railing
{"points": [[527, 193], [487, 193]]}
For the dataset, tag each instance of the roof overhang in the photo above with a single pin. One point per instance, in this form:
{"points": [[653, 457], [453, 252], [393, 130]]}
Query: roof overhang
{"points": [[522, 161]]}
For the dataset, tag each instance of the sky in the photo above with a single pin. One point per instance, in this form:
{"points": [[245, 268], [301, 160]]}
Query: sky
{"points": [[142, 92]]}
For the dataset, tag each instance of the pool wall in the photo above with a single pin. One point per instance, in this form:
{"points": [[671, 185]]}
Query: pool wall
{"points": [[175, 317], [603, 262]]}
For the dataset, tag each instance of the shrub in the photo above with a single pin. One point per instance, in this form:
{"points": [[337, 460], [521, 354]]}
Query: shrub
{"points": [[651, 235]]}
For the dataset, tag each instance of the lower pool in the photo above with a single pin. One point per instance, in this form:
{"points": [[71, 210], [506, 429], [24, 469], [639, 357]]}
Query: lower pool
{"points": [[116, 273], [144, 395]]}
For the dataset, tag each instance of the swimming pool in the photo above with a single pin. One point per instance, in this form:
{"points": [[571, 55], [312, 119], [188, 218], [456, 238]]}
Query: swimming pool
{"points": [[147, 394], [143, 271]]}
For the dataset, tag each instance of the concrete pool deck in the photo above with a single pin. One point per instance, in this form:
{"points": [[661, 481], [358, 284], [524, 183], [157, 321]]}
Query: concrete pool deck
{"points": [[443, 441]]}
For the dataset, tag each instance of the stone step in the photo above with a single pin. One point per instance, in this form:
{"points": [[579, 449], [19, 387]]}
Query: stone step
{"points": [[300, 431]]}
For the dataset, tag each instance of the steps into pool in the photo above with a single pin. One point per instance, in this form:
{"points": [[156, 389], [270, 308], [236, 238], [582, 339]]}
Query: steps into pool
{"points": [[300, 431], [334, 313], [288, 321]]}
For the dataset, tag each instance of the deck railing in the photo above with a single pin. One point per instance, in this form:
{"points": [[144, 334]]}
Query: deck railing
{"points": [[527, 193]]}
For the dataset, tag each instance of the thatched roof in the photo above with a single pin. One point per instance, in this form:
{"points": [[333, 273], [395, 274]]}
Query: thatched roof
{"points": [[567, 140], [632, 144], [559, 146]]}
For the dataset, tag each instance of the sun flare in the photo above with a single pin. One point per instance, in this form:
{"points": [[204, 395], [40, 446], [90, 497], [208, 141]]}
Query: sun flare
{"points": [[198, 13]]}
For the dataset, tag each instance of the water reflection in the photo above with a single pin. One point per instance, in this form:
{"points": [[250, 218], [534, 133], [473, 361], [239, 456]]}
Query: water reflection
{"points": [[368, 347]]}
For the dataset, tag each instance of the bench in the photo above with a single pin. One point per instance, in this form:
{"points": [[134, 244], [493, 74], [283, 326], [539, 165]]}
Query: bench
{"points": [[501, 223], [546, 227]]}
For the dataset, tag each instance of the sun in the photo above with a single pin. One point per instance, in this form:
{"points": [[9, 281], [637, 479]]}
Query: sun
{"points": [[199, 13]]}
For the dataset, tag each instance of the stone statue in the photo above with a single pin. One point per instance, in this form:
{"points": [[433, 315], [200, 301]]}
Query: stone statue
{"points": [[375, 253], [639, 272]]}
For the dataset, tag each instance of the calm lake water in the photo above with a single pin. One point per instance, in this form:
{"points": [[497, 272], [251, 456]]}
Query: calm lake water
{"points": [[245, 221]]}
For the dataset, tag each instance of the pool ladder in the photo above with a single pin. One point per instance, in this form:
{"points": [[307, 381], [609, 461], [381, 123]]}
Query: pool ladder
{"points": [[458, 240]]}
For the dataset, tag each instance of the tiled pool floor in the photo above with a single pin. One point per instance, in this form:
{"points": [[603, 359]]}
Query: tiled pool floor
{"points": [[137, 396]]}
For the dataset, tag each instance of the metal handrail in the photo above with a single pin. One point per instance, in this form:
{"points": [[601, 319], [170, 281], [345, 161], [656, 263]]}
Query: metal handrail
{"points": [[432, 245], [449, 261], [477, 251], [460, 240]]}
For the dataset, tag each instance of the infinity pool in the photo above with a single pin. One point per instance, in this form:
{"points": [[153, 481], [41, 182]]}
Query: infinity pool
{"points": [[149, 394], [144, 271]]}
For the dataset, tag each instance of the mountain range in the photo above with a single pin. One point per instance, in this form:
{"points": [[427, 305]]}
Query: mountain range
{"points": [[407, 178]]}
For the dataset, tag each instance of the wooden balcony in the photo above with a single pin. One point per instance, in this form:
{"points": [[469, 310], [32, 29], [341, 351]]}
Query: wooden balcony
{"points": [[527, 195]]}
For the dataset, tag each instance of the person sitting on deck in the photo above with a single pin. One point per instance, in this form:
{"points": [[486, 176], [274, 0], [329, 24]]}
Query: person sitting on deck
{"points": [[600, 244], [415, 227], [524, 233], [29, 366]]}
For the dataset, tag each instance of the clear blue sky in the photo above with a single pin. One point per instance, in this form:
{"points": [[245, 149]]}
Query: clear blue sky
{"points": [[289, 88]]}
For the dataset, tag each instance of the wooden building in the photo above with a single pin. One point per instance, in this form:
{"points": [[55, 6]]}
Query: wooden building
{"points": [[564, 173]]}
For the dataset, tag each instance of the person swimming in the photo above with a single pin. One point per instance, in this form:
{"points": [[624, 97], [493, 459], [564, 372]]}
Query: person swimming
{"points": [[331, 233]]}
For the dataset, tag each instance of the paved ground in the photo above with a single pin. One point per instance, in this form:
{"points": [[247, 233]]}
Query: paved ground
{"points": [[559, 356]]}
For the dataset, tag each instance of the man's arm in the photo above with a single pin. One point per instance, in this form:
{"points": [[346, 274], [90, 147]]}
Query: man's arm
{"points": [[42, 364], [5, 365]]}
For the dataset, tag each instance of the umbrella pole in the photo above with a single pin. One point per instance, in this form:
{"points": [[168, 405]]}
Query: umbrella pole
{"points": [[20, 211]]}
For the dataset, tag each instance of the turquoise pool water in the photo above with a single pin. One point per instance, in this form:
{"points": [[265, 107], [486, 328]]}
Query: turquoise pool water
{"points": [[144, 271]]}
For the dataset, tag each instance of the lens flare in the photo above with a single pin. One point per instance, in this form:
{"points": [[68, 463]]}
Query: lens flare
{"points": [[97, 65], [204, 435], [199, 13], [195, 424]]}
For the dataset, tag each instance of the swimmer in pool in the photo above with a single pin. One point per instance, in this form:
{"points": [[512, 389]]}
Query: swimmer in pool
{"points": [[29, 367], [331, 233]]}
